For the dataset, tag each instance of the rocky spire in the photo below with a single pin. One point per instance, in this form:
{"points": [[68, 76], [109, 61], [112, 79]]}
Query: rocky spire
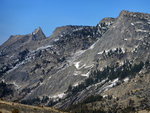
{"points": [[38, 34]]}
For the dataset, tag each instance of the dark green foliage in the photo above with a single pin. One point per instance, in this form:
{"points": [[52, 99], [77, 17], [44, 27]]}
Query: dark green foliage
{"points": [[147, 64], [44, 99], [5, 90], [83, 108], [78, 88], [52, 103], [92, 98], [89, 81], [116, 71], [34, 101], [69, 88], [137, 67], [38, 101], [23, 54]]}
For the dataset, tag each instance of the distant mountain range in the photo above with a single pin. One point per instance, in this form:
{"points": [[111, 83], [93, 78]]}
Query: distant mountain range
{"points": [[101, 69]]}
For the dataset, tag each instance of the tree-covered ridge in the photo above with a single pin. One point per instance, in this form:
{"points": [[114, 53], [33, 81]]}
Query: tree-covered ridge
{"points": [[126, 70]]}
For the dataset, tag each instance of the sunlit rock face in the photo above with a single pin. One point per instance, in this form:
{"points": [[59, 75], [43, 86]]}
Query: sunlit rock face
{"points": [[40, 67]]}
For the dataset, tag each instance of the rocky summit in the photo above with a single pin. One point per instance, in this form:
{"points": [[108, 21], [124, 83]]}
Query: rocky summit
{"points": [[101, 69]]}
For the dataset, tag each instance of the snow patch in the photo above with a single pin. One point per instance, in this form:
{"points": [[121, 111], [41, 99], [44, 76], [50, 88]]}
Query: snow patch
{"points": [[43, 47], [100, 53], [17, 65], [92, 46], [113, 83], [139, 22], [101, 82], [105, 96], [125, 39], [113, 50], [123, 50], [89, 66], [77, 73], [60, 95], [77, 64], [126, 79], [132, 23], [121, 63], [86, 75], [140, 38], [12, 56], [135, 49], [75, 56], [76, 84], [41, 83], [49, 77], [141, 30], [17, 86], [61, 35], [3, 80], [113, 26], [78, 53]]}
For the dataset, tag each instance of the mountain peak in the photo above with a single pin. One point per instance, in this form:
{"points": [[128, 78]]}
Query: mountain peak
{"points": [[108, 20], [78, 61], [134, 14], [38, 34], [37, 30]]}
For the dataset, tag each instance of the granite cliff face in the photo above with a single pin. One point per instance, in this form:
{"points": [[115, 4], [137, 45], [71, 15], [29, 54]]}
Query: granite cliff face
{"points": [[28, 61], [89, 60]]}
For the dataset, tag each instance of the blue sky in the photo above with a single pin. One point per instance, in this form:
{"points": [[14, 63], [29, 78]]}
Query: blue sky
{"points": [[23, 16]]}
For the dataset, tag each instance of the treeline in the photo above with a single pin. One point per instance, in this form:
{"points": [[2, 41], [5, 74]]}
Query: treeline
{"points": [[83, 108], [116, 71]]}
